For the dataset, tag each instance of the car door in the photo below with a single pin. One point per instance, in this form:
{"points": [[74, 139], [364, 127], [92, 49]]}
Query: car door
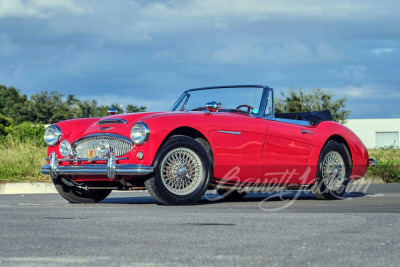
{"points": [[237, 142], [285, 153]]}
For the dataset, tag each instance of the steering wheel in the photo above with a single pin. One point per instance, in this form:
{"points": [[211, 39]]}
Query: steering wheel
{"points": [[249, 108]]}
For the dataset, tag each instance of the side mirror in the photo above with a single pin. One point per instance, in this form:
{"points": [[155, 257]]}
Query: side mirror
{"points": [[112, 111], [212, 106]]}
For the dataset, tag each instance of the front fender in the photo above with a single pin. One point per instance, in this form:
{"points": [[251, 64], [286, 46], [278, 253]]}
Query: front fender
{"points": [[329, 130]]}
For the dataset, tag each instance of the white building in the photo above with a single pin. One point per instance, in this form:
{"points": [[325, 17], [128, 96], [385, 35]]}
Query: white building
{"points": [[376, 133]]}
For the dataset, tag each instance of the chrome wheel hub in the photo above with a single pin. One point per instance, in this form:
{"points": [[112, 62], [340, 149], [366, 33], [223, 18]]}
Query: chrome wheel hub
{"points": [[181, 171], [333, 171]]}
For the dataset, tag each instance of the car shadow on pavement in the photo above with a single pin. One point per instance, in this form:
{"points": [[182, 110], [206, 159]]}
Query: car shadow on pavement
{"points": [[273, 196], [129, 200], [214, 198]]}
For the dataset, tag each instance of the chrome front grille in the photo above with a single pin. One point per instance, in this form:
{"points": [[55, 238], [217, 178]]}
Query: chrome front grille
{"points": [[111, 121], [120, 145]]}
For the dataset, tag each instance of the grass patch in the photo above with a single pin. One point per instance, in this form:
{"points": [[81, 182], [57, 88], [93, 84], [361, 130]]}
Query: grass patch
{"points": [[20, 161], [388, 165]]}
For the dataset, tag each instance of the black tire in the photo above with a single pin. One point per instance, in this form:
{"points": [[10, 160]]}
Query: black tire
{"points": [[77, 195], [231, 195], [157, 185], [322, 189]]}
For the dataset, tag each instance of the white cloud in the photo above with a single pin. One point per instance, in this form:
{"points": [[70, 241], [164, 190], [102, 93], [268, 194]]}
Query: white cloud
{"points": [[382, 51], [255, 9], [38, 8], [277, 53], [354, 72], [260, 10], [103, 46], [139, 20], [366, 91]]}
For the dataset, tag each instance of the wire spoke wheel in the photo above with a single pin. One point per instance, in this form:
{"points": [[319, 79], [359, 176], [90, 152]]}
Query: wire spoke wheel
{"points": [[333, 171], [181, 171]]}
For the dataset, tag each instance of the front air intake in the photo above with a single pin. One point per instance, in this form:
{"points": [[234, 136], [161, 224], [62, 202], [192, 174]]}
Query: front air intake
{"points": [[111, 121]]}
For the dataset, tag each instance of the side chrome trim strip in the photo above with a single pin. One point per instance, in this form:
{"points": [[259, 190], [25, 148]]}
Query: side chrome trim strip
{"points": [[306, 132], [229, 132]]}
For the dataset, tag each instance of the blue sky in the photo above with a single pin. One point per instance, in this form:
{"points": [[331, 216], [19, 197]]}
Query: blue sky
{"points": [[148, 52]]}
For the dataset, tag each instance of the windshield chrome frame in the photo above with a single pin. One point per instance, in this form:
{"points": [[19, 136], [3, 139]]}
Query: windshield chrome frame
{"points": [[267, 95], [263, 104]]}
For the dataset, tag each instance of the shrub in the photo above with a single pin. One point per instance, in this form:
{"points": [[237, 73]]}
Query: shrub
{"points": [[5, 125], [28, 132], [21, 162], [388, 164]]}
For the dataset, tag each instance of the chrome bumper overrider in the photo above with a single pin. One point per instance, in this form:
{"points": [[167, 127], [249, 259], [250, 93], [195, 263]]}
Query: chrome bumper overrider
{"points": [[110, 169]]}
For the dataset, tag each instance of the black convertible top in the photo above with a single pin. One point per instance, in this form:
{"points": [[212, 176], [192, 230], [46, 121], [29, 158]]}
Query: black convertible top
{"points": [[314, 117]]}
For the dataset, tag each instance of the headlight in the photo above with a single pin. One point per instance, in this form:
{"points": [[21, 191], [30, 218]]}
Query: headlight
{"points": [[140, 133], [65, 149], [102, 148], [52, 135]]}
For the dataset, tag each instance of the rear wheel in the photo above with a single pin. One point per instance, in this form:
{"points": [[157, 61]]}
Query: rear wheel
{"points": [[182, 173], [333, 172], [77, 195]]}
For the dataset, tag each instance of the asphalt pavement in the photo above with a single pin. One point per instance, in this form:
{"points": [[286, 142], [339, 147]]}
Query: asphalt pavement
{"points": [[269, 229]]}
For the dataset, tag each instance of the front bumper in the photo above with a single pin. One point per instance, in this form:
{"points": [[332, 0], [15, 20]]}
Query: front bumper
{"points": [[110, 169]]}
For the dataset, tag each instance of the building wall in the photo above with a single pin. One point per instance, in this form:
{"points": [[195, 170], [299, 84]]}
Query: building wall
{"points": [[367, 130]]}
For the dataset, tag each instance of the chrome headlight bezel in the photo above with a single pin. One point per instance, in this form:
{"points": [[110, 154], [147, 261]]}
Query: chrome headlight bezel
{"points": [[52, 135], [103, 148], [65, 149], [140, 133]]}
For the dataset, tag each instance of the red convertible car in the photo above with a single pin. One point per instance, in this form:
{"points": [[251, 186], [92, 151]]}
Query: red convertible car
{"points": [[228, 138]]}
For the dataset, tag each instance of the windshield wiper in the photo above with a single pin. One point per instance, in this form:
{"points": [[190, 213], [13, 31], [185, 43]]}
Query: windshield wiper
{"points": [[235, 111]]}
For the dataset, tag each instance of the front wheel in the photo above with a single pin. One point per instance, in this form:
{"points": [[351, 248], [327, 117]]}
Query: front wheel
{"points": [[182, 173], [77, 195], [333, 171]]}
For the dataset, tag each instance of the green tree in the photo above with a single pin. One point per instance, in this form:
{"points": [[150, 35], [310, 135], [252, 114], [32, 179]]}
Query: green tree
{"points": [[316, 100], [49, 107], [86, 109], [134, 108], [13, 104], [6, 124]]}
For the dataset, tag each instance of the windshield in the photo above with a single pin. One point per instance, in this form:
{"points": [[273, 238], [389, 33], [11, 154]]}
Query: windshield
{"points": [[231, 99]]}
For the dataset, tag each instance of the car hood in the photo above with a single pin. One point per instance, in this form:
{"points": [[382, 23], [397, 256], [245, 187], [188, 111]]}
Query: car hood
{"points": [[121, 128], [129, 117]]}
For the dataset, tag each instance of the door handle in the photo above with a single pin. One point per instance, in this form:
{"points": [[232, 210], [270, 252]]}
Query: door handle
{"points": [[306, 132]]}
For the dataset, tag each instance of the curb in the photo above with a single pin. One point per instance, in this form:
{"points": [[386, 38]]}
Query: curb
{"points": [[27, 188]]}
